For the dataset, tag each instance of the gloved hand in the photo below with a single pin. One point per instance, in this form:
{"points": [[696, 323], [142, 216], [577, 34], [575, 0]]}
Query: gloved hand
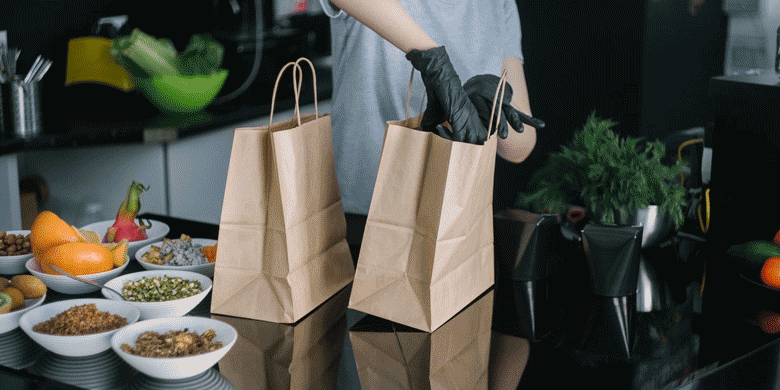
{"points": [[447, 101], [481, 90]]}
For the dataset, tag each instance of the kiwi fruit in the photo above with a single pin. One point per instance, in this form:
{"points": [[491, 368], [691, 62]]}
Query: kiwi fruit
{"points": [[17, 298], [6, 302], [4, 283], [30, 286]]}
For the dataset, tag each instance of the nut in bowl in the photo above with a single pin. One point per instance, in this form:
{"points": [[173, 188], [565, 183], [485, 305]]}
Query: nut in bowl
{"points": [[216, 339], [66, 285], [15, 250], [60, 327], [154, 233], [161, 294], [184, 254]]}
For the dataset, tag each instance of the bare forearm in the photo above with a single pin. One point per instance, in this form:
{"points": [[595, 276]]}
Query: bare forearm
{"points": [[386, 18], [517, 146]]}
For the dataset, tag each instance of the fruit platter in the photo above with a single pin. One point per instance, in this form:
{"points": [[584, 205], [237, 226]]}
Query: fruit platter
{"points": [[63, 328]]}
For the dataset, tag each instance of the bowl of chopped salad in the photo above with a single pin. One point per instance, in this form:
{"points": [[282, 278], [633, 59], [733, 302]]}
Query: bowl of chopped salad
{"points": [[160, 293], [183, 254]]}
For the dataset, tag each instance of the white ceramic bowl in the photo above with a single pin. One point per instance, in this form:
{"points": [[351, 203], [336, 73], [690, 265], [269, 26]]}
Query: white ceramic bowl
{"points": [[155, 233], [177, 367], [205, 269], [14, 265], [85, 345], [10, 321], [66, 285], [151, 310]]}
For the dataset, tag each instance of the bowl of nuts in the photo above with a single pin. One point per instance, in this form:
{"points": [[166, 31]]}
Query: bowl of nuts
{"points": [[184, 254], [77, 327], [14, 251], [160, 294], [174, 348]]}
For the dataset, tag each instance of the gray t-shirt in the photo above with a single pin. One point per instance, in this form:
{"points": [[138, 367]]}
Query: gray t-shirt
{"points": [[371, 77]]}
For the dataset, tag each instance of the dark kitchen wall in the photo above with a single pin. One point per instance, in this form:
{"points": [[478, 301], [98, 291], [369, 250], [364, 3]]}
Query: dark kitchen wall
{"points": [[645, 64]]}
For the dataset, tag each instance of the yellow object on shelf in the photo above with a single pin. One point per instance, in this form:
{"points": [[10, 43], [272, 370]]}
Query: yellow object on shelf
{"points": [[89, 61]]}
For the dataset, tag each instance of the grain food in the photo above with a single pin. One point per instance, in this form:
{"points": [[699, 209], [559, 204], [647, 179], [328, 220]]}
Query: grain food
{"points": [[81, 320], [173, 343], [160, 289], [14, 244]]}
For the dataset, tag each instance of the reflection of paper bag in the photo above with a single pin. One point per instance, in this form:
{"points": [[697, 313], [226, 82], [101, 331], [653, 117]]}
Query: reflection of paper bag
{"points": [[282, 234], [455, 356], [427, 248], [306, 355]]}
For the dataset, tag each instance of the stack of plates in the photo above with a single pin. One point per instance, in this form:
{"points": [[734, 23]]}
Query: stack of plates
{"points": [[210, 379], [17, 350], [101, 371]]}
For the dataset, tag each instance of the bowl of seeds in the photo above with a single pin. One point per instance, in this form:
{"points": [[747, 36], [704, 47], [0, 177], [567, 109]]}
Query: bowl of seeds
{"points": [[14, 251], [174, 348], [77, 327], [160, 294]]}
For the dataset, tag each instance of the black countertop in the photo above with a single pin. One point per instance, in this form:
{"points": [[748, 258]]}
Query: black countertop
{"points": [[336, 347], [94, 115]]}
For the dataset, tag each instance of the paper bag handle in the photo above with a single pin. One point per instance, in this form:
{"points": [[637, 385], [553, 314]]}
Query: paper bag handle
{"points": [[297, 71], [501, 85], [409, 97]]}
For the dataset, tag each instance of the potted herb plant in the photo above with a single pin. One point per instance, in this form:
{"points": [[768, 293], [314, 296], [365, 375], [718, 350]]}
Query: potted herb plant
{"points": [[612, 177]]}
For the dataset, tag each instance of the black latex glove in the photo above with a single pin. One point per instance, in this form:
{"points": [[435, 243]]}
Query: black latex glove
{"points": [[447, 101], [481, 90]]}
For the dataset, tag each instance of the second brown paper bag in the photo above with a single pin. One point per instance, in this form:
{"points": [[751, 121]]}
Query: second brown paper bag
{"points": [[427, 248], [282, 233]]}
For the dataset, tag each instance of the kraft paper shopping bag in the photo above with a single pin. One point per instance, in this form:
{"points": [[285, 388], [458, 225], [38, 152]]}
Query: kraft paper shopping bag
{"points": [[304, 355], [455, 356], [427, 248], [282, 233]]}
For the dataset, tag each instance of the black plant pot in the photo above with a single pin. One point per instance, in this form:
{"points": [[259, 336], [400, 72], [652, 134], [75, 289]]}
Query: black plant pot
{"points": [[613, 254], [527, 253]]}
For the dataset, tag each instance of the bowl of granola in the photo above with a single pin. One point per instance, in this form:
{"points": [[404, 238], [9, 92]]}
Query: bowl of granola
{"points": [[174, 348], [184, 254], [161, 293], [77, 327]]}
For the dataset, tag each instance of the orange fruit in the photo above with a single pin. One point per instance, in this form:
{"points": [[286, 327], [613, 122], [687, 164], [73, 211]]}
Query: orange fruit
{"points": [[776, 240], [770, 272], [769, 321], [48, 231], [77, 258]]}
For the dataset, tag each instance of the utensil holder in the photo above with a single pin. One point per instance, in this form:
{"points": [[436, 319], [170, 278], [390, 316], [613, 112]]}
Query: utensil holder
{"points": [[21, 109]]}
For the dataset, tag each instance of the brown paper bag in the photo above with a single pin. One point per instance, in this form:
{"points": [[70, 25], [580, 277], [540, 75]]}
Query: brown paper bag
{"points": [[282, 234], [455, 356], [427, 248], [301, 356]]}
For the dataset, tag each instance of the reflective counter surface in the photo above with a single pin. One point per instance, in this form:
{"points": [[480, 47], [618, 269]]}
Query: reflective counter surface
{"points": [[486, 345]]}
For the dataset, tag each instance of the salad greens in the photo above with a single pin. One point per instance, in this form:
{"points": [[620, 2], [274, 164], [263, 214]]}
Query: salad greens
{"points": [[143, 55]]}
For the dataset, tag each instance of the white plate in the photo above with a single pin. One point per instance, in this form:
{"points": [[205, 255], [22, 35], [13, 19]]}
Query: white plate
{"points": [[205, 269], [154, 233], [150, 310], [85, 345], [66, 285], [10, 321], [177, 367], [14, 265]]}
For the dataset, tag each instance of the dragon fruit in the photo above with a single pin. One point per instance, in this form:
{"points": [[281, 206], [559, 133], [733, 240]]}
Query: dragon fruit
{"points": [[124, 225]]}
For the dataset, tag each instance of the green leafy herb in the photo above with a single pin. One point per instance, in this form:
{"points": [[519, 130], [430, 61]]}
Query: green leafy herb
{"points": [[600, 170]]}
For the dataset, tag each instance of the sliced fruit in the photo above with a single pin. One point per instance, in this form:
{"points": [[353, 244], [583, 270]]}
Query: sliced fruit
{"points": [[16, 296], [88, 236], [77, 258], [119, 252], [30, 286], [6, 302], [48, 231]]}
